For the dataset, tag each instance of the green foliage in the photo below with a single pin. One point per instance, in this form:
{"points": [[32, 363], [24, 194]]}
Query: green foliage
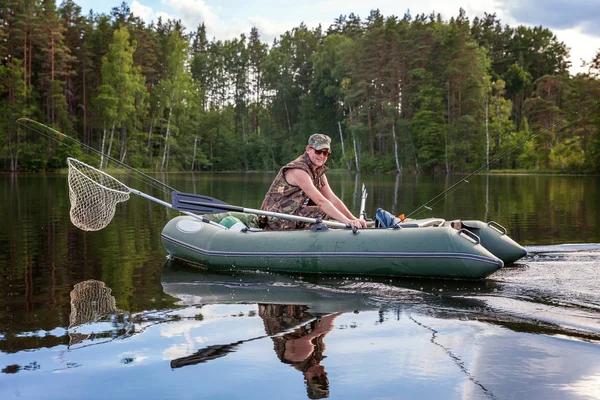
{"points": [[435, 95]]}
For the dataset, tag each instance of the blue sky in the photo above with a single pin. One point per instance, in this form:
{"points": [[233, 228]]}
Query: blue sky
{"points": [[575, 22]]}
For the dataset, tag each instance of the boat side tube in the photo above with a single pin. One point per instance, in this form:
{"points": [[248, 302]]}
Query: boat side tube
{"points": [[433, 252], [494, 238]]}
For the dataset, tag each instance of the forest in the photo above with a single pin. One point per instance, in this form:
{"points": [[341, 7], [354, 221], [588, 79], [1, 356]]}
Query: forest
{"points": [[409, 94]]}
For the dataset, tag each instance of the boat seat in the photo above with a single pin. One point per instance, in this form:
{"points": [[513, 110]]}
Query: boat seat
{"points": [[238, 226], [422, 223], [225, 219]]}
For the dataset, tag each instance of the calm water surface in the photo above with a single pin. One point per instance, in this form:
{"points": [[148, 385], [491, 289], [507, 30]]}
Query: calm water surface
{"points": [[105, 315]]}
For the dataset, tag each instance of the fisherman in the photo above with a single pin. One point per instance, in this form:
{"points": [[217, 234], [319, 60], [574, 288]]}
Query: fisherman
{"points": [[301, 188]]}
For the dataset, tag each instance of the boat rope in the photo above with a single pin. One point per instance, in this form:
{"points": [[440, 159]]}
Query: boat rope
{"points": [[428, 205]]}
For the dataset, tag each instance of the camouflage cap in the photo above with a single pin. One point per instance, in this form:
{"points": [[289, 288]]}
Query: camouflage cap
{"points": [[319, 141]]}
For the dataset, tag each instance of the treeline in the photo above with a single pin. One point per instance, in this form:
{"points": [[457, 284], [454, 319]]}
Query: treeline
{"points": [[415, 93]]}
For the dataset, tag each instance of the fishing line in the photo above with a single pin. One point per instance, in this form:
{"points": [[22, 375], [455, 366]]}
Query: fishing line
{"points": [[433, 201], [461, 364], [53, 134]]}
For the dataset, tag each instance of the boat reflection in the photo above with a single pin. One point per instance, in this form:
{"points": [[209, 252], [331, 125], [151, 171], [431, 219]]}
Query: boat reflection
{"points": [[324, 336], [494, 302], [299, 312]]}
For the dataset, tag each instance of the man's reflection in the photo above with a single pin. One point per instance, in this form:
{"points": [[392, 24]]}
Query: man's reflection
{"points": [[303, 347], [297, 340]]}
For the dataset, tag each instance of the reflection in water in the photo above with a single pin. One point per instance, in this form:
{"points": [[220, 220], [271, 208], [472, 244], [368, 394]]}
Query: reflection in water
{"points": [[303, 347], [456, 359], [90, 301], [534, 326], [531, 331], [298, 340]]}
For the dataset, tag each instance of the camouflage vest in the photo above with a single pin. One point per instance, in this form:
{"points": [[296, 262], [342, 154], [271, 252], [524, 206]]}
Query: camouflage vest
{"points": [[288, 199]]}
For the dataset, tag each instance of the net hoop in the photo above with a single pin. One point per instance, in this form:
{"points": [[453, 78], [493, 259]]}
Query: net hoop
{"points": [[94, 196]]}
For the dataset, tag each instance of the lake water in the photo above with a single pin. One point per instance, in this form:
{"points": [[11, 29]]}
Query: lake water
{"points": [[86, 315]]}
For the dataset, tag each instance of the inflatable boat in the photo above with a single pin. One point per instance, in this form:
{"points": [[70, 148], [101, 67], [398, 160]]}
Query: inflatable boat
{"points": [[429, 248]]}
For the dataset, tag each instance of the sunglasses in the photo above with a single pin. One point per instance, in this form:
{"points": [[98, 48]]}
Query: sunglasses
{"points": [[325, 152]]}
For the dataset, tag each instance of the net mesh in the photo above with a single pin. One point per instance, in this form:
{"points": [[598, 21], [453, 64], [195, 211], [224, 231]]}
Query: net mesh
{"points": [[94, 196]]}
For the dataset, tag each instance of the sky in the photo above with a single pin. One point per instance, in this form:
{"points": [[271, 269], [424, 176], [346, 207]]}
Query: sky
{"points": [[574, 22]]}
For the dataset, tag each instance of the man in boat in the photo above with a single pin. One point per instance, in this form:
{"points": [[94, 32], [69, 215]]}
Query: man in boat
{"points": [[301, 188]]}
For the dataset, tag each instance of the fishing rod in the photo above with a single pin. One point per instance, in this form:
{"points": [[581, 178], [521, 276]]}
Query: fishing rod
{"points": [[53, 134], [478, 170]]}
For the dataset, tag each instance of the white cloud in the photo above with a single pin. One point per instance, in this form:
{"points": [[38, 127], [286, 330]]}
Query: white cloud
{"points": [[164, 16], [193, 12], [586, 386], [583, 46], [228, 19], [177, 351], [572, 23], [268, 29], [140, 10]]}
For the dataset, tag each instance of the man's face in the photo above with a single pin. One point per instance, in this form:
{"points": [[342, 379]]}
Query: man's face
{"points": [[318, 157]]}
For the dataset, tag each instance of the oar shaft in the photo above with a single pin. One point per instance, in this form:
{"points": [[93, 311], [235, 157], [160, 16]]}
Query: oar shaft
{"points": [[239, 209], [208, 205], [293, 217]]}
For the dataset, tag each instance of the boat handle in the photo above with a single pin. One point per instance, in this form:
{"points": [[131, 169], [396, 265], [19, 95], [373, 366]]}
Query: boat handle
{"points": [[470, 235], [498, 227]]}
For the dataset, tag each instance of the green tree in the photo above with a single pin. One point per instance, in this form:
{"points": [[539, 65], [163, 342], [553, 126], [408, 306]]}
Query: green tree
{"points": [[56, 64], [501, 127], [257, 52], [12, 102], [175, 87], [122, 84], [545, 115]]}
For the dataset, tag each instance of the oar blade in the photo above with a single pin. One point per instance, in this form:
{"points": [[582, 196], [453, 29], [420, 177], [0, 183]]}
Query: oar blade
{"points": [[206, 354], [200, 204]]}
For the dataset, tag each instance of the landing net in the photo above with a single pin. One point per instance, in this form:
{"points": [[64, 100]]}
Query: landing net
{"points": [[94, 196]]}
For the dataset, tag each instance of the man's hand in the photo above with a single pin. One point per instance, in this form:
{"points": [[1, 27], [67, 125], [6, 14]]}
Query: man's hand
{"points": [[359, 223]]}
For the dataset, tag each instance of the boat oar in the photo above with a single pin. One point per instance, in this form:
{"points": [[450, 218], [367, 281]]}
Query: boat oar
{"points": [[207, 205], [209, 353]]}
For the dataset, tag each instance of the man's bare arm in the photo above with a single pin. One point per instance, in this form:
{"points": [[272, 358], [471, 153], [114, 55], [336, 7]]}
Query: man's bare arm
{"points": [[337, 203], [300, 178]]}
